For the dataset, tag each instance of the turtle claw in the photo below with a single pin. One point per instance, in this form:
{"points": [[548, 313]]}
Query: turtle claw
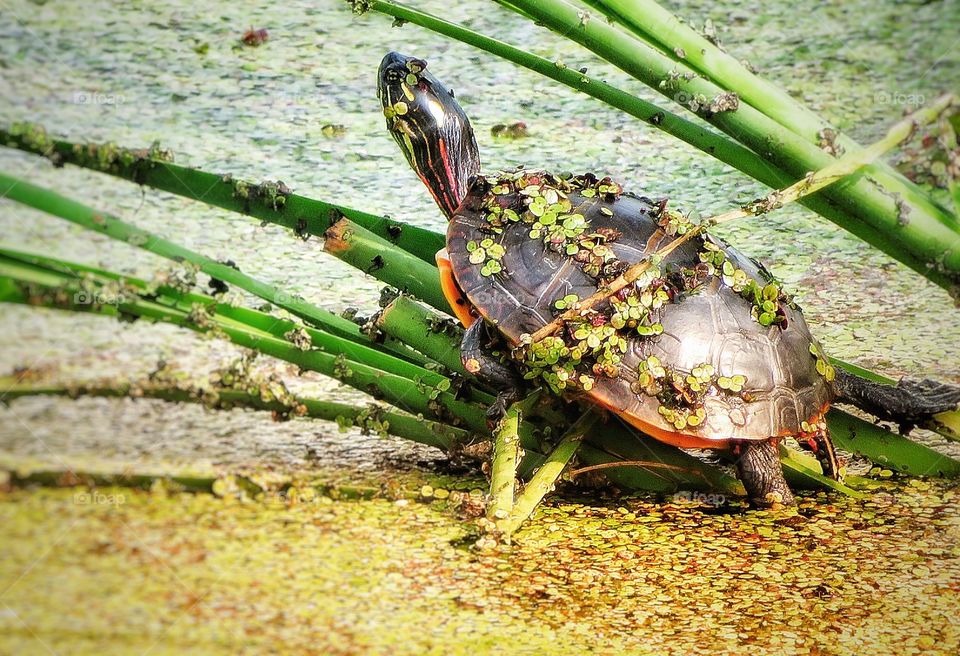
{"points": [[497, 411], [930, 396], [479, 361]]}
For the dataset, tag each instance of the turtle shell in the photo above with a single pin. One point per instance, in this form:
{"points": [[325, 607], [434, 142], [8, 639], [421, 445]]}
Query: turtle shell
{"points": [[705, 366]]}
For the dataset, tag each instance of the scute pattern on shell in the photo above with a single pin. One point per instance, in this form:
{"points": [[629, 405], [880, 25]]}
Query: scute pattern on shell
{"points": [[714, 323]]}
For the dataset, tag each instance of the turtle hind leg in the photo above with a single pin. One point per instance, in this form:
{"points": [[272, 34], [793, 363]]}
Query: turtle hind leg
{"points": [[907, 403], [478, 359], [758, 466], [817, 441]]}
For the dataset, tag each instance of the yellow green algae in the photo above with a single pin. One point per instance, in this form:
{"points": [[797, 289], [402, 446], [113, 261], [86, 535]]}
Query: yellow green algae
{"points": [[116, 570]]}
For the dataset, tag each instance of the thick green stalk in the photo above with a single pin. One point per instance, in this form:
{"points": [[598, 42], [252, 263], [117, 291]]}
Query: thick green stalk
{"points": [[271, 202], [546, 476], [503, 467], [922, 241], [436, 337], [53, 203], [658, 27], [375, 256], [20, 283], [725, 150], [372, 417], [268, 324]]}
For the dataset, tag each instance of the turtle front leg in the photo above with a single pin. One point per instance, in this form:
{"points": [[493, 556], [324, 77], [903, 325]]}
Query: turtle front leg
{"points": [[478, 360], [758, 466]]}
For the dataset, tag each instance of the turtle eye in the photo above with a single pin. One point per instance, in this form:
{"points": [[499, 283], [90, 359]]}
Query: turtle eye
{"points": [[393, 76]]}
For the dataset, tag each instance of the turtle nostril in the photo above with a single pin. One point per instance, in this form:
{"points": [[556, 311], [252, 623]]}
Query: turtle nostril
{"points": [[416, 65]]}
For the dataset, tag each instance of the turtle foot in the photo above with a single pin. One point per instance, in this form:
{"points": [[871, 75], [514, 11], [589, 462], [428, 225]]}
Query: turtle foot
{"points": [[758, 465]]}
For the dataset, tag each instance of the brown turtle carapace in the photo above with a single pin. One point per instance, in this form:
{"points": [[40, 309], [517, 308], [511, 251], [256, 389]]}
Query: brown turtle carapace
{"points": [[704, 351]]}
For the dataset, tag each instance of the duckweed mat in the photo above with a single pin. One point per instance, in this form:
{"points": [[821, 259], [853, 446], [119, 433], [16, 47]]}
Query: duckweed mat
{"points": [[116, 570]]}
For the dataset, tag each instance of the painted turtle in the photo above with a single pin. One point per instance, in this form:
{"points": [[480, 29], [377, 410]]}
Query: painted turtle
{"points": [[704, 351]]}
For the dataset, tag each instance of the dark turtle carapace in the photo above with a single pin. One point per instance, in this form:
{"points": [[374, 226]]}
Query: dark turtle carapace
{"points": [[704, 351]]}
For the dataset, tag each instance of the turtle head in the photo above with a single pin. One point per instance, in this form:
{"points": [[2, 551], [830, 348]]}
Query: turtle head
{"points": [[431, 128]]}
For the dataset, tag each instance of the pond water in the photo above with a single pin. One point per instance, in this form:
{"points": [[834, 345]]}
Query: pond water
{"points": [[611, 575]]}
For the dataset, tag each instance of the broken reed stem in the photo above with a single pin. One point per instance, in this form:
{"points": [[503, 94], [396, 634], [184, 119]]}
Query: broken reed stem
{"points": [[842, 167], [436, 337], [503, 469], [546, 476], [375, 256], [627, 463]]}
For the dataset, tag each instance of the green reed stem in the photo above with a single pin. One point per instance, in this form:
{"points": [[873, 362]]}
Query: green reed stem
{"points": [[268, 202]]}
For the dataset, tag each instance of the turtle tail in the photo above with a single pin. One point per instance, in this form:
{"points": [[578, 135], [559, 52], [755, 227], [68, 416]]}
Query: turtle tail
{"points": [[908, 403]]}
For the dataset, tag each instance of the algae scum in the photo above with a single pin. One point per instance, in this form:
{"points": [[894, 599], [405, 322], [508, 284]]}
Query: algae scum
{"points": [[130, 571], [318, 570]]}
